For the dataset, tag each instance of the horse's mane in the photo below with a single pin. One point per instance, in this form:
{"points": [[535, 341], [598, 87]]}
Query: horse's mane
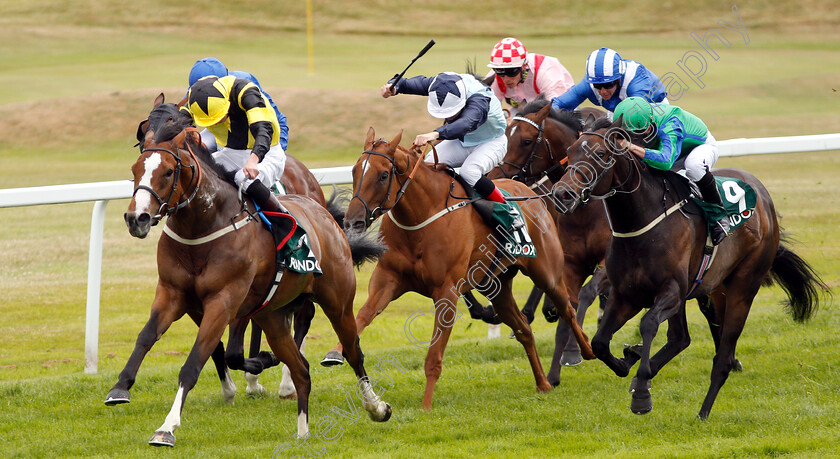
{"points": [[170, 130], [572, 120]]}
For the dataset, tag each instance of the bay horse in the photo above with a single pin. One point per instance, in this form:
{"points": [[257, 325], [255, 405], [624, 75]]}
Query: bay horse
{"points": [[441, 258], [216, 267], [656, 252], [538, 138], [297, 179]]}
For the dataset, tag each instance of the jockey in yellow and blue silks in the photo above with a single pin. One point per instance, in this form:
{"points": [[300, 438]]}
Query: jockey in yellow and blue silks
{"points": [[609, 80], [473, 132], [210, 66], [245, 128], [676, 139]]}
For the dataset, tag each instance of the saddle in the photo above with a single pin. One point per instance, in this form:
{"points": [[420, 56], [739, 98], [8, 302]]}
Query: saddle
{"points": [[483, 206]]}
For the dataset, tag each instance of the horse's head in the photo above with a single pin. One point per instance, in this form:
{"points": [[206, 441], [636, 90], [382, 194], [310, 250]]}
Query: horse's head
{"points": [[164, 174], [590, 169], [528, 152], [376, 181]]}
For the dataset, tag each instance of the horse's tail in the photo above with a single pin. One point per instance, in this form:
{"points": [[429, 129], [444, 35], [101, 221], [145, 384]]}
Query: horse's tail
{"points": [[799, 280], [364, 247], [367, 246], [337, 204]]}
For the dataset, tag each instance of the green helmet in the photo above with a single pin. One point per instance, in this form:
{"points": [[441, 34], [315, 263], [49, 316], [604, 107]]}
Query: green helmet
{"points": [[636, 112]]}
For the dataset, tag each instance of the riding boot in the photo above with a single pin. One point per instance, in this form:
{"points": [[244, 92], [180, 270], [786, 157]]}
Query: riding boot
{"points": [[709, 190], [488, 190], [264, 198]]}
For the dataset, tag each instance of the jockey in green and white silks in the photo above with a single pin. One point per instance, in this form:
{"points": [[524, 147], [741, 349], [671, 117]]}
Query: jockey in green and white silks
{"points": [[474, 129], [675, 139]]}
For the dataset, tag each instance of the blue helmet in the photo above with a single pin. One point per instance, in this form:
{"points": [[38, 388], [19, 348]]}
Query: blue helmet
{"points": [[209, 66], [603, 66]]}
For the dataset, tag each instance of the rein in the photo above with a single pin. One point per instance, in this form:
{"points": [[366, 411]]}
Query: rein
{"points": [[586, 193], [165, 209], [371, 214]]}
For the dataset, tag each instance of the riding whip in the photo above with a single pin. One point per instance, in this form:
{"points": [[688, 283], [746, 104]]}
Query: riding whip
{"points": [[398, 77]]}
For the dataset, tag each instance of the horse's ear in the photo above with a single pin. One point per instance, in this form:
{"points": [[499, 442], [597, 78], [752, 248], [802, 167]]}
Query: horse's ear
{"points": [[543, 113], [193, 136], [371, 136], [589, 120], [617, 122], [141, 130], [182, 102], [159, 100], [396, 141]]}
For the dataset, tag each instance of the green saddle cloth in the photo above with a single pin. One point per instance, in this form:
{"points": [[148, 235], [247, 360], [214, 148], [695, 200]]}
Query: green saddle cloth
{"points": [[738, 202], [516, 242], [298, 254]]}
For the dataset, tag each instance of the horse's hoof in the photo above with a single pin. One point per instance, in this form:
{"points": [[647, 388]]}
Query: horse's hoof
{"points": [[117, 397], [551, 315], [571, 358], [388, 413], [161, 438], [634, 385], [641, 402], [736, 366], [256, 391], [333, 358]]}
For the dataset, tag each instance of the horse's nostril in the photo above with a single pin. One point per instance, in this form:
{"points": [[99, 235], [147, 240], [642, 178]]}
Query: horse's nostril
{"points": [[144, 218]]}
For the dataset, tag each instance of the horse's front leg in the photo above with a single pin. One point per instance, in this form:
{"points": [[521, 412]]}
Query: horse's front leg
{"points": [[167, 307], [218, 356], [668, 303], [216, 317], [617, 312], [383, 288], [446, 313]]}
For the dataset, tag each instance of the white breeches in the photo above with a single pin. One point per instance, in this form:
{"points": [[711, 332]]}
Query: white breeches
{"points": [[271, 167], [474, 161], [698, 160]]}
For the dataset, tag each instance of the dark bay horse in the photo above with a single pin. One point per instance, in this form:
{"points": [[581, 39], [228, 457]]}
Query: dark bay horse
{"points": [[656, 252], [442, 258], [216, 264], [297, 179]]}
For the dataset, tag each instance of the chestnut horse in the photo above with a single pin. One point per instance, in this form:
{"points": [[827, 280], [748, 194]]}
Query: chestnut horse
{"points": [[216, 267], [655, 254], [297, 179], [442, 258]]}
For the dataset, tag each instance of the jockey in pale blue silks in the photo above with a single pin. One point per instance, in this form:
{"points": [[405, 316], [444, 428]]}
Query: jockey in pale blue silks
{"points": [[474, 129], [210, 66], [609, 80]]}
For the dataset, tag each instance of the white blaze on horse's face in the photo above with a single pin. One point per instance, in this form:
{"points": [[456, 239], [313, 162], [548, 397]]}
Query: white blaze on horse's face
{"points": [[365, 166], [143, 199], [513, 131]]}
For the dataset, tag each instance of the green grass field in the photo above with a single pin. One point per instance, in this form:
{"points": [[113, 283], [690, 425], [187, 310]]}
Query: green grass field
{"points": [[77, 77]]}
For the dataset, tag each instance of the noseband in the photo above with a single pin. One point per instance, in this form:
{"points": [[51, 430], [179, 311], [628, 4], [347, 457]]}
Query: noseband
{"points": [[165, 209]]}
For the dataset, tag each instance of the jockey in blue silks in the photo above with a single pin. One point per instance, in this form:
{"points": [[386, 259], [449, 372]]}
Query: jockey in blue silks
{"points": [[210, 66], [609, 80]]}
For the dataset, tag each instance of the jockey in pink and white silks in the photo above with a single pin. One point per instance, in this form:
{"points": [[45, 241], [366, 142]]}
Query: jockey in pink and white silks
{"points": [[609, 80], [519, 77], [473, 132]]}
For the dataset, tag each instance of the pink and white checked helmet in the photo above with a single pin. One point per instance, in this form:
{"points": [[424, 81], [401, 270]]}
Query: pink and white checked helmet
{"points": [[507, 53]]}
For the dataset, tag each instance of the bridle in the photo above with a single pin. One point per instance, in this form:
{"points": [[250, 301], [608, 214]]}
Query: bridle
{"points": [[586, 192], [165, 208], [373, 214], [526, 170]]}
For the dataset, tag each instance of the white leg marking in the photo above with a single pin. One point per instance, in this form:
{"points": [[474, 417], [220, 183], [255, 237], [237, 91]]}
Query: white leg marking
{"points": [[303, 425], [173, 419], [143, 199], [375, 407], [228, 388], [254, 386]]}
